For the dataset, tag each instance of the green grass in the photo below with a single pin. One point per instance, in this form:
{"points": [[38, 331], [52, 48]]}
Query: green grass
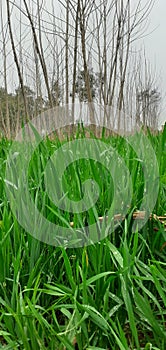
{"points": [[108, 295]]}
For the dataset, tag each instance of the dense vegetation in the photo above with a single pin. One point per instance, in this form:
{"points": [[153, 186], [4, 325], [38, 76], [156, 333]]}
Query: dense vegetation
{"points": [[108, 295]]}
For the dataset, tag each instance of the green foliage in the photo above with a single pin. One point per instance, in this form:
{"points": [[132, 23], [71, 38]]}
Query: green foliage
{"points": [[80, 86], [109, 295]]}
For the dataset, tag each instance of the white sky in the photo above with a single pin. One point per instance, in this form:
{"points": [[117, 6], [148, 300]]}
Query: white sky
{"points": [[155, 47]]}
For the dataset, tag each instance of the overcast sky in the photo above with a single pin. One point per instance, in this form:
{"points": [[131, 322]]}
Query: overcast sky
{"points": [[155, 46]]}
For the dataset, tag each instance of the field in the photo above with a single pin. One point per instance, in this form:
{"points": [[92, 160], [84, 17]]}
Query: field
{"points": [[110, 294]]}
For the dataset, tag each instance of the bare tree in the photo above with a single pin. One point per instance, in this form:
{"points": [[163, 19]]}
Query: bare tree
{"points": [[75, 55], [15, 55], [7, 123], [82, 21], [67, 52], [39, 46]]}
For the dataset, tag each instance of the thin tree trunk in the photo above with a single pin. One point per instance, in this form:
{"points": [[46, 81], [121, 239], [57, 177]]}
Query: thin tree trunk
{"points": [[67, 52], [75, 58], [16, 58], [8, 128], [39, 52], [86, 72]]}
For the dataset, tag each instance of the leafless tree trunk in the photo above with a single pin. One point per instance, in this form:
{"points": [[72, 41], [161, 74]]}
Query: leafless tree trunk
{"points": [[67, 52], [84, 55], [123, 60], [39, 47], [8, 129], [75, 57], [15, 57]]}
